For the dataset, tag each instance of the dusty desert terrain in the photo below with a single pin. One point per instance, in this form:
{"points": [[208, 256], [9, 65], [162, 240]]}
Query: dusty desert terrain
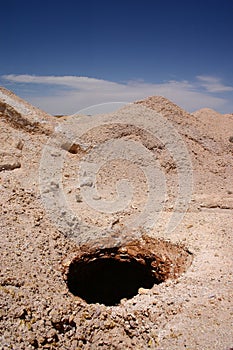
{"points": [[186, 302]]}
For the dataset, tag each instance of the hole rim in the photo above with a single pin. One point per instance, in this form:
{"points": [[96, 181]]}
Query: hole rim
{"points": [[164, 259]]}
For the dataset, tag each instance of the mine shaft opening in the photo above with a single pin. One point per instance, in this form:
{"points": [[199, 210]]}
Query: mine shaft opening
{"points": [[108, 280], [108, 275]]}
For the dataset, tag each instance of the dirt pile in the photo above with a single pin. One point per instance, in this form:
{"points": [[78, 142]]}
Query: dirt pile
{"points": [[57, 229]]}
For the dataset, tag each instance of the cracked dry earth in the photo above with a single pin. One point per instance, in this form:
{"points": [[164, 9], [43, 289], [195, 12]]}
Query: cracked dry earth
{"points": [[183, 299]]}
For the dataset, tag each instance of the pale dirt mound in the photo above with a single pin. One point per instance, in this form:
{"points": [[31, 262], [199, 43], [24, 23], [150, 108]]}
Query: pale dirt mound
{"points": [[22, 115], [207, 135], [190, 304]]}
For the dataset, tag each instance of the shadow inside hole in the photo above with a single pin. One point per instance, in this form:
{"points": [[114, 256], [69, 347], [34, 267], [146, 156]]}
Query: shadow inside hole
{"points": [[107, 280]]}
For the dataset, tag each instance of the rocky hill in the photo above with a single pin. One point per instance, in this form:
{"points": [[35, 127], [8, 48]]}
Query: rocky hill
{"points": [[92, 262]]}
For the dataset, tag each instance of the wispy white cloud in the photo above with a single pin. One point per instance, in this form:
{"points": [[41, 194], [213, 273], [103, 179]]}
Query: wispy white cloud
{"points": [[212, 84], [84, 92], [74, 82]]}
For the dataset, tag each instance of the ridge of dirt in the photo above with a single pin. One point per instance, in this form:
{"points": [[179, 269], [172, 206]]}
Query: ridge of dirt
{"points": [[20, 114]]}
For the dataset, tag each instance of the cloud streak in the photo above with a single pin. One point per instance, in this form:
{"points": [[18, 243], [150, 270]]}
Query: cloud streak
{"points": [[69, 94], [212, 84]]}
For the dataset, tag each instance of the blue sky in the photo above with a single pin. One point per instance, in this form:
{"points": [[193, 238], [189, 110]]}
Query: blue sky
{"points": [[67, 55]]}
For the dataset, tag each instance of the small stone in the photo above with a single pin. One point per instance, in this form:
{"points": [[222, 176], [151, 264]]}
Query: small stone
{"points": [[96, 198], [123, 250], [142, 291], [189, 225], [21, 313], [32, 340], [41, 339], [20, 145], [87, 183], [54, 185], [51, 333], [51, 336], [78, 198]]}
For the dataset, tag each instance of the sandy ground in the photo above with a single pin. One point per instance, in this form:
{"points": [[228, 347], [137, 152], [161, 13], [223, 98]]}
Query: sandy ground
{"points": [[40, 238]]}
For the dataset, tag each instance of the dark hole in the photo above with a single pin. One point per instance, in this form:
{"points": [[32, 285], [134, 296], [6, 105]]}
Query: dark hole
{"points": [[108, 280]]}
